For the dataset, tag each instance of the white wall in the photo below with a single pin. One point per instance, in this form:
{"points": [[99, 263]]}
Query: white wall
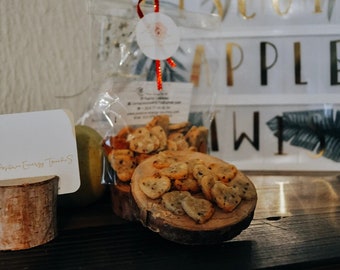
{"points": [[44, 53]]}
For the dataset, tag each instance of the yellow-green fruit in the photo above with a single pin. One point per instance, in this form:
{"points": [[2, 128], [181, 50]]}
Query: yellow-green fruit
{"points": [[90, 158]]}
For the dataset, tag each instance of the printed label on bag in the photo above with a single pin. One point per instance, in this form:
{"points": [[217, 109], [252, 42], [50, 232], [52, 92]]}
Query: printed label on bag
{"points": [[142, 102]]}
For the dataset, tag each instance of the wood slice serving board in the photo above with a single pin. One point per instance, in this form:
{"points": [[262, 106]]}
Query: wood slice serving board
{"points": [[123, 204], [27, 212], [181, 228]]}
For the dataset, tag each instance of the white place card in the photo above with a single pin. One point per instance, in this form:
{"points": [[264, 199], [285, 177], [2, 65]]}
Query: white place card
{"points": [[39, 144]]}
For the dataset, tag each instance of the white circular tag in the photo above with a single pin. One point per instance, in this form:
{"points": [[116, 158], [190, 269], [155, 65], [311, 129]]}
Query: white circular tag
{"points": [[157, 36]]}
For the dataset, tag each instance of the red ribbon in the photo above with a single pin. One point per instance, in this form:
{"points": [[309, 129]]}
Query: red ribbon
{"points": [[140, 12], [158, 62], [156, 6]]}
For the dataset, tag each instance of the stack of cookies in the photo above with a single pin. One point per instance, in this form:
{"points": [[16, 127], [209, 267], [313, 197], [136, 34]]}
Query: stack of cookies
{"points": [[165, 179], [132, 145], [193, 198]]}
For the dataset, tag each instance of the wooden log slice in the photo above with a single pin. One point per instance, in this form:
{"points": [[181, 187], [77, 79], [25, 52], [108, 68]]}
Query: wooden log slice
{"points": [[28, 212], [123, 204], [222, 226]]}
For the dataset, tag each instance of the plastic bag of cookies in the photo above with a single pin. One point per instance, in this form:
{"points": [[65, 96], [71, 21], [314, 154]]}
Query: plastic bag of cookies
{"points": [[132, 145], [145, 103]]}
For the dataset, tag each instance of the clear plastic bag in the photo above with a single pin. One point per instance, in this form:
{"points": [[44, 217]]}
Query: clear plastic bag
{"points": [[114, 46], [125, 98], [117, 59]]}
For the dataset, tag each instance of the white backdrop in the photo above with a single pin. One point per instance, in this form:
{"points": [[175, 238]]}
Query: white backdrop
{"points": [[44, 53]]}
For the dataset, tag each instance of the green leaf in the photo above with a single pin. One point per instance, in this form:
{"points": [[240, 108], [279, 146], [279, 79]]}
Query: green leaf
{"points": [[179, 65], [151, 75], [314, 130], [141, 64]]}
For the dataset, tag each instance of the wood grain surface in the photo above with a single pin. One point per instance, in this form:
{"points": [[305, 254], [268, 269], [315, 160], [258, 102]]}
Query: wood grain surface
{"points": [[28, 215], [304, 234]]}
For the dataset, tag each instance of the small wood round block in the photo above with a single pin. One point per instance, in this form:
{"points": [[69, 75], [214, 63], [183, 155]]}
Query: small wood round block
{"points": [[28, 212], [123, 204]]}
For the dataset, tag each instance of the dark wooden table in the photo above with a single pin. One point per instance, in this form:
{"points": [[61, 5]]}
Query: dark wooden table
{"points": [[296, 226]]}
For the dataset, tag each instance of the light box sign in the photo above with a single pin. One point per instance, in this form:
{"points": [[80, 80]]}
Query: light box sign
{"points": [[263, 13], [276, 100], [285, 138], [270, 70], [265, 66], [277, 93]]}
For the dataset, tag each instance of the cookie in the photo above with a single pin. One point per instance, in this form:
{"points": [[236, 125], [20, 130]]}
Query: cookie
{"points": [[225, 172], [225, 196], [142, 141], [117, 142], [179, 127], [162, 120], [243, 188], [176, 170], [192, 163], [122, 152], [188, 184], [179, 140], [155, 186], [124, 132], [159, 132], [140, 157], [123, 164], [171, 145], [162, 161], [172, 201], [197, 137], [200, 210], [201, 170], [206, 184]]}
